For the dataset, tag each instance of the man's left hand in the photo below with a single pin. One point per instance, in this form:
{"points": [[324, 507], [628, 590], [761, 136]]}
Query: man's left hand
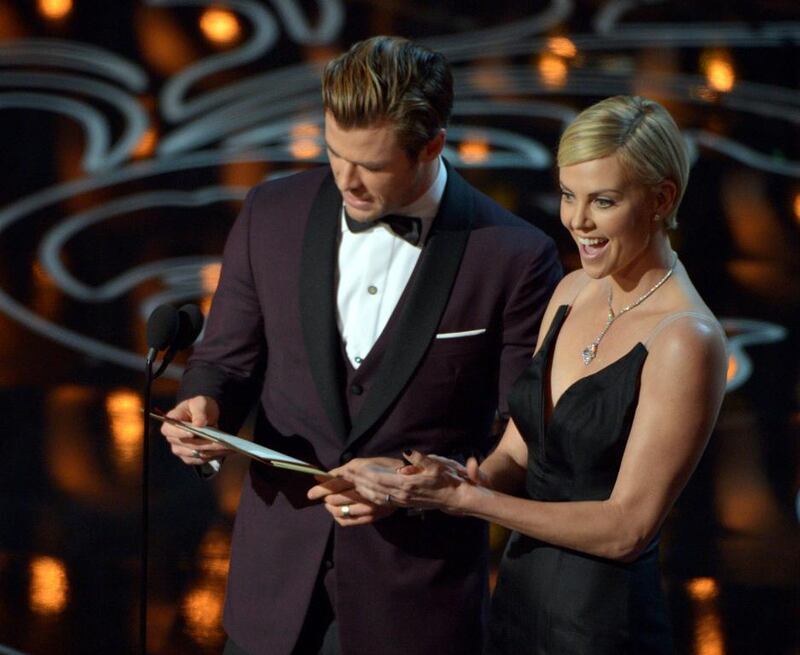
{"points": [[344, 503]]}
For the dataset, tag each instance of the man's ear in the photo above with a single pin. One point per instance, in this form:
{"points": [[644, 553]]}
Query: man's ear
{"points": [[434, 147]]}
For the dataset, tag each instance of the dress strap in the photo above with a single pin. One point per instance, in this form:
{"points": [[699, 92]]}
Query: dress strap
{"points": [[671, 318], [555, 326]]}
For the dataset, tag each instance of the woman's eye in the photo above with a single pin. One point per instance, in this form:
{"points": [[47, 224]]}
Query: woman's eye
{"points": [[604, 203], [566, 196]]}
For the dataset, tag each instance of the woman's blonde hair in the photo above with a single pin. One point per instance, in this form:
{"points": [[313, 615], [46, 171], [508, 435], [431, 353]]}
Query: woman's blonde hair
{"points": [[640, 132]]}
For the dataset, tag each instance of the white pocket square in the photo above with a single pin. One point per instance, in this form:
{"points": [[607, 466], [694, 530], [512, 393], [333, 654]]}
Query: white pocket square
{"points": [[456, 335]]}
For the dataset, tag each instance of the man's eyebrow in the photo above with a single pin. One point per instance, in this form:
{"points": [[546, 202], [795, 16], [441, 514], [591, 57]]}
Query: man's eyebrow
{"points": [[365, 164]]}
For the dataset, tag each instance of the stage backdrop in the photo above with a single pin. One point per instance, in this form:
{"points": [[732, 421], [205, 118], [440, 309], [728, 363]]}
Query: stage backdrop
{"points": [[131, 131]]}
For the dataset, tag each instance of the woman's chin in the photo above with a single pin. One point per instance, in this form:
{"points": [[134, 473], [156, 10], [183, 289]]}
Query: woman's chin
{"points": [[594, 263]]}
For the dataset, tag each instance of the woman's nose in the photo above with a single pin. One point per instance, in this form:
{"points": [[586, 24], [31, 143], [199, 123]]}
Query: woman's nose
{"points": [[580, 218]]}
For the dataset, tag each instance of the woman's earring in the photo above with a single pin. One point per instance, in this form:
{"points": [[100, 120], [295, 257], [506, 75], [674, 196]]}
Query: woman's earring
{"points": [[656, 218]]}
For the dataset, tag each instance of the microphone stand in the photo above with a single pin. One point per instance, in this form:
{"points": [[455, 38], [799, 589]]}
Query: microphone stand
{"points": [[144, 547], [149, 378], [174, 330]]}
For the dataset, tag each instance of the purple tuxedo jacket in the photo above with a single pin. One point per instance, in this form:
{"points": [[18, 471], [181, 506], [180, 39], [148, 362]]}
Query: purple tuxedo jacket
{"points": [[406, 584]]}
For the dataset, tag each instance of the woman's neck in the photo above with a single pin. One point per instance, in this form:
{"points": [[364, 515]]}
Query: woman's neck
{"points": [[644, 272]]}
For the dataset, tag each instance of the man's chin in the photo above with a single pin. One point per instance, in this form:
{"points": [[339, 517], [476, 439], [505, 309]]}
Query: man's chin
{"points": [[362, 215]]}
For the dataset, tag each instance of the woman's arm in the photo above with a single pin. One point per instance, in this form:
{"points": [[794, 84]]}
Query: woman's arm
{"points": [[505, 469], [681, 391]]}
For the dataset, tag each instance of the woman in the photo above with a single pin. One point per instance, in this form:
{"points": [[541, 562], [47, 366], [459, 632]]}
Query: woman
{"points": [[611, 416]]}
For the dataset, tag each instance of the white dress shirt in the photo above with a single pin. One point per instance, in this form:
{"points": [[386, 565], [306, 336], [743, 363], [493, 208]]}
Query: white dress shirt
{"points": [[373, 269]]}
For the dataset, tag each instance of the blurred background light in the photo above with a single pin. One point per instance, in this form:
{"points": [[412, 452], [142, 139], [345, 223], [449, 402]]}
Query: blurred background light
{"points": [[214, 553], [704, 593], [733, 367], [553, 70], [474, 149], [147, 144], [562, 47], [717, 65], [163, 42], [220, 26], [54, 9], [124, 409], [203, 603], [305, 140], [202, 612], [702, 589], [49, 588], [209, 277]]}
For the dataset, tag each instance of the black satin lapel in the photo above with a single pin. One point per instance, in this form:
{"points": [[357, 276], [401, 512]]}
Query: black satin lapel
{"points": [[416, 327], [318, 301]]}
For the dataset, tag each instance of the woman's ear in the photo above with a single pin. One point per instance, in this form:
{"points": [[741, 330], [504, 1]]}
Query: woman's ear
{"points": [[665, 196]]}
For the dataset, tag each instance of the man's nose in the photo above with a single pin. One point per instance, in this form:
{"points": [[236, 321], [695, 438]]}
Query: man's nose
{"points": [[348, 176]]}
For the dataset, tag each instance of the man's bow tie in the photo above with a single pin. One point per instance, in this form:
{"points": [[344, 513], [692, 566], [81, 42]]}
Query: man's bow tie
{"points": [[408, 228]]}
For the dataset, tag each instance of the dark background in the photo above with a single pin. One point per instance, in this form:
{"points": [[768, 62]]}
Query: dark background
{"points": [[128, 136]]}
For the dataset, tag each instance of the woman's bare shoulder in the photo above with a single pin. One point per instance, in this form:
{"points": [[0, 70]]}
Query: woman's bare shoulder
{"points": [[569, 287], [688, 338]]}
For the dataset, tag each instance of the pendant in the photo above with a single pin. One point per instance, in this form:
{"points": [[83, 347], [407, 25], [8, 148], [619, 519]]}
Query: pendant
{"points": [[589, 354]]}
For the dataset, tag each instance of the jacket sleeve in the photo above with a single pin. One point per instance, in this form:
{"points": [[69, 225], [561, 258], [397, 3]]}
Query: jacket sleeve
{"points": [[523, 314], [229, 363]]}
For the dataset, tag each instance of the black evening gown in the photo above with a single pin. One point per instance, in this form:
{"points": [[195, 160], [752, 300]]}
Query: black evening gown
{"points": [[555, 601]]}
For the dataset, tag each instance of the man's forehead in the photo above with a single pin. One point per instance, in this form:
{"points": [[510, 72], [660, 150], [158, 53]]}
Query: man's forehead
{"points": [[371, 143], [383, 125]]}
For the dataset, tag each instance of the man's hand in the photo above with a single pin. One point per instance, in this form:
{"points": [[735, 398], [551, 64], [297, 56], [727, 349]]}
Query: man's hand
{"points": [[347, 507], [199, 411], [426, 481]]}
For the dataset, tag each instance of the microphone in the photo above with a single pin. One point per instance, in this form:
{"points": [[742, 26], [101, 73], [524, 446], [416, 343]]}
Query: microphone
{"points": [[162, 330], [177, 330], [190, 325]]}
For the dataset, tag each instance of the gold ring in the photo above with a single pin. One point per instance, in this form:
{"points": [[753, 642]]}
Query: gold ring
{"points": [[346, 511]]}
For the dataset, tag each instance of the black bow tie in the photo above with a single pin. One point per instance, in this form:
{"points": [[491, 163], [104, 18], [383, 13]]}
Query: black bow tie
{"points": [[408, 228]]}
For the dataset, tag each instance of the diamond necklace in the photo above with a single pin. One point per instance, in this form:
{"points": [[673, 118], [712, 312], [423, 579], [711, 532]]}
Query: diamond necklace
{"points": [[590, 352]]}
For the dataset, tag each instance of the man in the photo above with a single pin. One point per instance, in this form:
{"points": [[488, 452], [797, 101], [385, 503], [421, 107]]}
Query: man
{"points": [[364, 339]]}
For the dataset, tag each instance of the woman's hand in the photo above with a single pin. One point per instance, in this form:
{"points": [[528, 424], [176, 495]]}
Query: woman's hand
{"points": [[429, 481], [345, 504]]}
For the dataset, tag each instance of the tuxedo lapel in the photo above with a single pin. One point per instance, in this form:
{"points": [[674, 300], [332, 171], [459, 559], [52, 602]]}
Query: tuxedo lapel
{"points": [[318, 301], [417, 324]]}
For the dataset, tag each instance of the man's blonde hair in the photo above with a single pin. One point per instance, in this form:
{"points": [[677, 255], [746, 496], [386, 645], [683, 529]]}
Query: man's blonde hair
{"points": [[390, 79], [640, 132]]}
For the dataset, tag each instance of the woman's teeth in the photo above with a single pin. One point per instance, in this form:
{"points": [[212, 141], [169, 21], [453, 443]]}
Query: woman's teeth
{"points": [[584, 241]]}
